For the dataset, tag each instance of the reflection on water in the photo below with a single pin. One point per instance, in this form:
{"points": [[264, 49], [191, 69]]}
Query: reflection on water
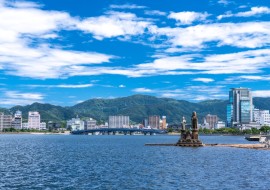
{"points": [[123, 162]]}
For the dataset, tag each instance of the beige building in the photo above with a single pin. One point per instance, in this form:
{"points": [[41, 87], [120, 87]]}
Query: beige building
{"points": [[5, 121], [211, 120], [34, 120]]}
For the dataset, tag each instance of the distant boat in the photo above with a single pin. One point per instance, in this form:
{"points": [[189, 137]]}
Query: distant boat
{"points": [[253, 137]]}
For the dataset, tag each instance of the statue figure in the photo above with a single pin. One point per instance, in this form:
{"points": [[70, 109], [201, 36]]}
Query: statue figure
{"points": [[194, 121], [184, 123]]}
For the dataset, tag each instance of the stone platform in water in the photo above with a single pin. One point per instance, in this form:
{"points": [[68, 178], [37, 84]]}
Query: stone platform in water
{"points": [[189, 142], [246, 146]]}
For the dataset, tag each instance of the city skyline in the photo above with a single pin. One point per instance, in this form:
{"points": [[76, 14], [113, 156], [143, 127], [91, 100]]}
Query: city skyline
{"points": [[66, 53]]}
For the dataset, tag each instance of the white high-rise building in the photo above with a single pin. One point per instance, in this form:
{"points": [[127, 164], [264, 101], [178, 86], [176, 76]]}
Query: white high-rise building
{"points": [[119, 121], [34, 120], [262, 117]]}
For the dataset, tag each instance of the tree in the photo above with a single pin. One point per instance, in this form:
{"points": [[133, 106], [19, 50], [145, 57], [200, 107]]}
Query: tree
{"points": [[265, 129]]}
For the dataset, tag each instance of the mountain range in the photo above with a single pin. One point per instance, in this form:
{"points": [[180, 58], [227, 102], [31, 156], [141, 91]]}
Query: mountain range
{"points": [[137, 107]]}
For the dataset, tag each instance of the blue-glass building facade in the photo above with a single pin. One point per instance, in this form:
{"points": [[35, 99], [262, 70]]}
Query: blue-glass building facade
{"points": [[240, 107]]}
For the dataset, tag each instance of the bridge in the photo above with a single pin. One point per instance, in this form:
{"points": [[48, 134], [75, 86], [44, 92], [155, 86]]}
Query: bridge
{"points": [[124, 131]]}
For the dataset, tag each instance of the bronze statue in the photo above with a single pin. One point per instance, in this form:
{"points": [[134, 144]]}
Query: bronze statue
{"points": [[194, 121]]}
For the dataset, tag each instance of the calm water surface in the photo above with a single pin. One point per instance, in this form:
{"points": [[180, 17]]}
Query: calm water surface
{"points": [[123, 162]]}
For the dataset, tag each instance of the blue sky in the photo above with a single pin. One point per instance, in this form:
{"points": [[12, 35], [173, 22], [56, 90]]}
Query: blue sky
{"points": [[65, 52]]}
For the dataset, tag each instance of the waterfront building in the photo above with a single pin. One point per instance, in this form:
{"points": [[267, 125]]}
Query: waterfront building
{"points": [[262, 117], [54, 125], [220, 124], [5, 121], [119, 121], [75, 124], [240, 107], [154, 121], [205, 124], [17, 120], [34, 120], [211, 120], [25, 126], [90, 124], [42, 126], [163, 123]]}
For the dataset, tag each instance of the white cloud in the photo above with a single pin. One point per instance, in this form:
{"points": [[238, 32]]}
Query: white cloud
{"points": [[122, 86], [186, 18], [155, 12], [192, 93], [255, 11], [242, 62], [248, 34], [113, 24], [204, 80], [11, 98], [22, 24], [142, 90], [62, 86], [127, 6], [23, 4], [261, 93], [224, 2], [249, 77]]}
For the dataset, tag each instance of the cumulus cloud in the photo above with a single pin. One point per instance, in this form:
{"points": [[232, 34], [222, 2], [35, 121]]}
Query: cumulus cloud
{"points": [[21, 25], [255, 11], [187, 17], [113, 24], [248, 34]]}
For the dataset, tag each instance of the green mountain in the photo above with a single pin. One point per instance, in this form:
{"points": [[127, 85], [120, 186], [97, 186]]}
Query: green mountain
{"points": [[48, 112], [137, 107]]}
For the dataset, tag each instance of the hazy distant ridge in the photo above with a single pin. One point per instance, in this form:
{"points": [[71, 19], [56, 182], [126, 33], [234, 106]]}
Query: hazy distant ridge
{"points": [[136, 106]]}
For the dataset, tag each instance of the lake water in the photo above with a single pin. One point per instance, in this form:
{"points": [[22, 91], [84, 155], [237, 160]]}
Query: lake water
{"points": [[123, 162]]}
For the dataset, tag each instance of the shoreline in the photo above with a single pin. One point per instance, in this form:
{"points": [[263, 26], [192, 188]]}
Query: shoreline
{"points": [[33, 133]]}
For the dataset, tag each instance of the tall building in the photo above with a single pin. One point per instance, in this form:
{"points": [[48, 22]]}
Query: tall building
{"points": [[211, 120], [119, 121], [90, 123], [154, 121], [163, 123], [17, 120], [240, 107], [34, 120], [5, 121]]}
